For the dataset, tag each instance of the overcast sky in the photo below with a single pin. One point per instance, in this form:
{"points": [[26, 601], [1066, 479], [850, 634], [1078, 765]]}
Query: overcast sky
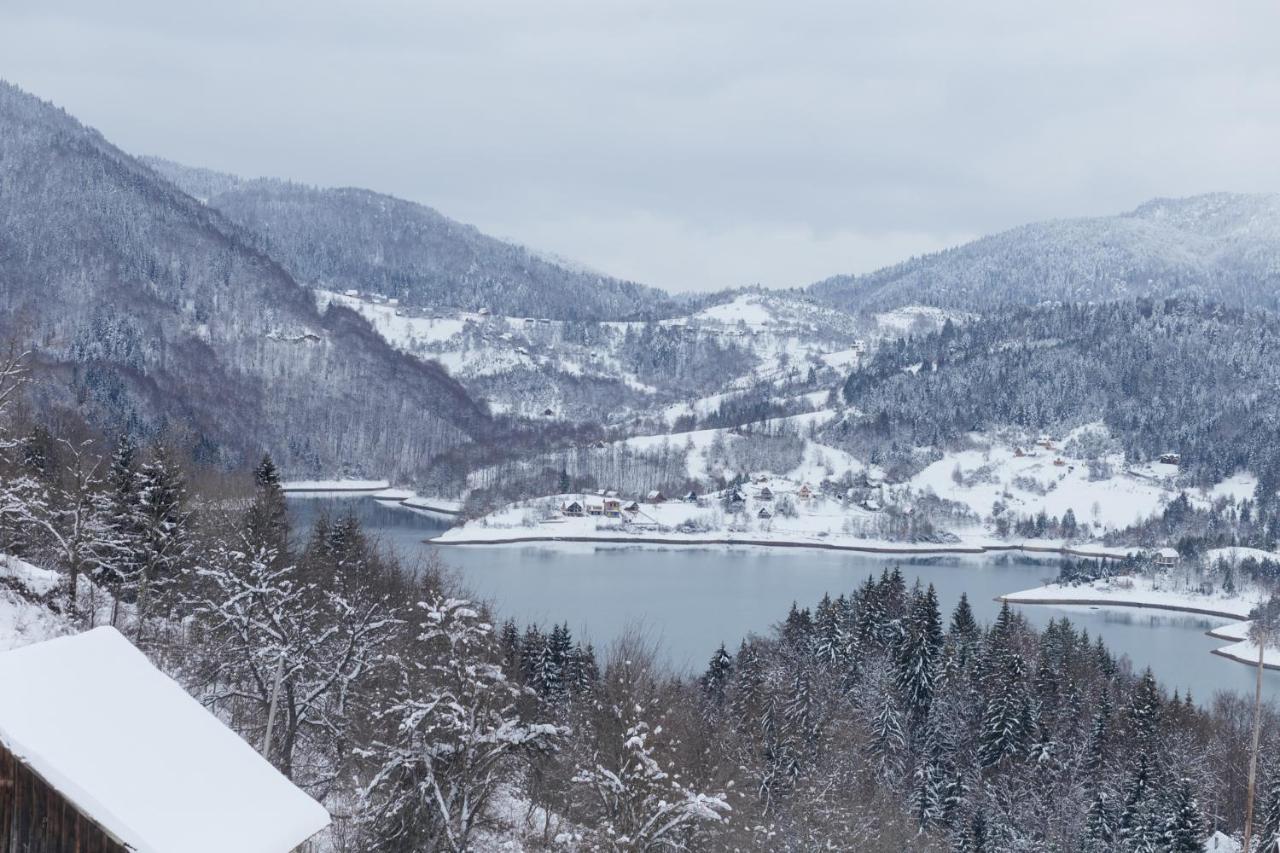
{"points": [[690, 145]]}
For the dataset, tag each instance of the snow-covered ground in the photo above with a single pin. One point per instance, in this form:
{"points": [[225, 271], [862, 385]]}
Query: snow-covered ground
{"points": [[1028, 479], [24, 618]]}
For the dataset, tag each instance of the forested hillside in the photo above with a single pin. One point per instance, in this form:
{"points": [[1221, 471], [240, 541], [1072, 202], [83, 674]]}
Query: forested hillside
{"points": [[1164, 376], [157, 316], [347, 238], [1222, 246]]}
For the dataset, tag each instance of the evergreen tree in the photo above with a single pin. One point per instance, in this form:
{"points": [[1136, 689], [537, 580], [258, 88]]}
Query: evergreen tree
{"points": [[918, 656], [166, 537], [1184, 829], [715, 682]]}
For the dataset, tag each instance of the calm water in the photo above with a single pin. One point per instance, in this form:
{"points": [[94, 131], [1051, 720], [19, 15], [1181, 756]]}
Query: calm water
{"points": [[693, 600]]}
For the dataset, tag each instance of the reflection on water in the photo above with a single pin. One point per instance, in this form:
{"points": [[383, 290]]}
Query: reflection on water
{"points": [[693, 600]]}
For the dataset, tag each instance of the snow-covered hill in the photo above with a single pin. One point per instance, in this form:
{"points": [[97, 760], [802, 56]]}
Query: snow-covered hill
{"points": [[1222, 246], [751, 347]]}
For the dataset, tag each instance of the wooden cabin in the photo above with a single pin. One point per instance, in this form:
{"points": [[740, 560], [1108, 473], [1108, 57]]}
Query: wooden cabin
{"points": [[691, 497], [804, 492], [1171, 458], [764, 513], [613, 507], [1167, 558], [765, 494], [632, 507], [100, 752], [574, 509], [654, 497]]}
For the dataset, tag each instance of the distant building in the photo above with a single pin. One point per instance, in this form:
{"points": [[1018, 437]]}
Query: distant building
{"points": [[804, 492], [632, 507], [100, 752], [764, 513], [691, 497], [1171, 458], [1060, 462], [1167, 558], [765, 494], [613, 507], [654, 497], [574, 510]]}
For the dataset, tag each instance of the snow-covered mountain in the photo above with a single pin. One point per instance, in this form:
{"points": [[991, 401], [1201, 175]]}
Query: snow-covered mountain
{"points": [[153, 313], [748, 348], [355, 239], [1222, 246]]}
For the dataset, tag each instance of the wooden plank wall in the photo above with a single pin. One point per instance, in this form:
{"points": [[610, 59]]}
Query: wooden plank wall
{"points": [[35, 818]]}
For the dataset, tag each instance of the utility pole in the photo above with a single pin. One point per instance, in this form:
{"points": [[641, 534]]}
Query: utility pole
{"points": [[1253, 754], [275, 698]]}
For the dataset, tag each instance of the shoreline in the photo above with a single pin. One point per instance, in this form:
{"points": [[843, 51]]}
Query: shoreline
{"points": [[909, 550], [1250, 662], [1142, 605]]}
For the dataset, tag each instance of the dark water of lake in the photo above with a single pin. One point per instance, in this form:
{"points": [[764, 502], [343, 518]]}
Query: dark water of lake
{"points": [[692, 600]]}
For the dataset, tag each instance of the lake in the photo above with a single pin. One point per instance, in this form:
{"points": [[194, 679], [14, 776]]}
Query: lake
{"points": [[691, 600]]}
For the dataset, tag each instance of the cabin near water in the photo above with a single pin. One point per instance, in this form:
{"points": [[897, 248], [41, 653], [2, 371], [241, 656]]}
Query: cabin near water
{"points": [[100, 752]]}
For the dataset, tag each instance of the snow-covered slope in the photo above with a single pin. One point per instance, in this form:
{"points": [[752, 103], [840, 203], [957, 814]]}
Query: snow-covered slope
{"points": [[1222, 245], [613, 371]]}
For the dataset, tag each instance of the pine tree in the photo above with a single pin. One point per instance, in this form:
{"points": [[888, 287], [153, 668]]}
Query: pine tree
{"points": [[1185, 828], [166, 537], [715, 682], [963, 625], [916, 667], [1005, 716], [1099, 824], [1099, 737], [888, 739], [1269, 817]]}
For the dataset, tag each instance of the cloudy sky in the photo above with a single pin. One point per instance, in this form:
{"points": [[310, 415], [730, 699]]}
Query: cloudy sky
{"points": [[687, 144]]}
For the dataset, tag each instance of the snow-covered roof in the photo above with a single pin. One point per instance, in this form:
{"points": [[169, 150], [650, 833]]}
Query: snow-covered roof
{"points": [[135, 753]]}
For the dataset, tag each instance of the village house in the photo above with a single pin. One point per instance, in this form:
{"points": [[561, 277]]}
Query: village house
{"points": [[764, 513], [654, 497], [632, 507], [613, 506], [804, 492], [1166, 558], [1171, 458], [765, 494], [100, 752], [574, 509], [691, 497]]}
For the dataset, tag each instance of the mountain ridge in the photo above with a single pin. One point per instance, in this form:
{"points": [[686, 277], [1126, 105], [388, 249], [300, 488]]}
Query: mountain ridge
{"points": [[160, 318], [349, 238], [1215, 245]]}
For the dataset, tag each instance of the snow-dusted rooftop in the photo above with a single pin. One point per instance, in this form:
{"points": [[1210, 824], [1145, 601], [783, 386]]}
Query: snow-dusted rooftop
{"points": [[136, 754]]}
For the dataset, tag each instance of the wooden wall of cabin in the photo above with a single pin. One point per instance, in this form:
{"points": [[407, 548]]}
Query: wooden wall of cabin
{"points": [[35, 818]]}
